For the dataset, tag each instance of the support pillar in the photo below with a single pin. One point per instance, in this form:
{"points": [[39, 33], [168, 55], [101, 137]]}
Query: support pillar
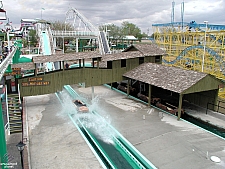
{"points": [[140, 87], [83, 63], [98, 59], [54, 44], [63, 46], [216, 103], [35, 70], [180, 106], [93, 62], [77, 45], [79, 62], [128, 87], [63, 64], [149, 95]]}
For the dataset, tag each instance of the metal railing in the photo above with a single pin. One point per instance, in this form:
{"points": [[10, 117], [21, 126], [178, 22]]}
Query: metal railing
{"points": [[74, 33], [5, 63]]}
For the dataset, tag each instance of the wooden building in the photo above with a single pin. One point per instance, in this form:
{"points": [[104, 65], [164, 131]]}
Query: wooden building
{"points": [[139, 62]]}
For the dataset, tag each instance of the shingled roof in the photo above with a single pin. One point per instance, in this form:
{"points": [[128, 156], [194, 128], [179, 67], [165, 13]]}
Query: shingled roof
{"points": [[122, 55], [65, 57], [146, 49], [170, 78], [24, 66]]}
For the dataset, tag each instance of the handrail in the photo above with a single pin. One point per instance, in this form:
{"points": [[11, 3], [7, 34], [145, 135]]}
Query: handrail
{"points": [[74, 33], [7, 108], [6, 62], [19, 93]]}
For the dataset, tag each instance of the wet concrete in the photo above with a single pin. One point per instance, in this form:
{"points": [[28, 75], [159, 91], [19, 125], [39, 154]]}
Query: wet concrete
{"points": [[166, 142], [54, 142], [160, 137]]}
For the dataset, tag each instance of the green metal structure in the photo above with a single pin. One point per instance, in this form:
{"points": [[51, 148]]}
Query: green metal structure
{"points": [[3, 149]]}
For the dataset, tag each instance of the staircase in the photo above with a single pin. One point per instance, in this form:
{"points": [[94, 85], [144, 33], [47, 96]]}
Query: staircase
{"points": [[15, 114]]}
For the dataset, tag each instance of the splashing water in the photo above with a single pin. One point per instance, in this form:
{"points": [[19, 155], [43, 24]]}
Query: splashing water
{"points": [[99, 126]]}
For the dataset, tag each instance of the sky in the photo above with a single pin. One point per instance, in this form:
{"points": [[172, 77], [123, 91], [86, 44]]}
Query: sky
{"points": [[142, 13]]}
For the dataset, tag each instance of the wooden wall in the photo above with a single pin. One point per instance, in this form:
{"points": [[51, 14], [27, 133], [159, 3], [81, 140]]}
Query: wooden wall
{"points": [[202, 98], [91, 76]]}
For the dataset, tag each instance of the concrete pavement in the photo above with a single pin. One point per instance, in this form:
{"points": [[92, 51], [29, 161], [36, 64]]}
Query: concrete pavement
{"points": [[54, 142], [166, 142], [163, 140]]}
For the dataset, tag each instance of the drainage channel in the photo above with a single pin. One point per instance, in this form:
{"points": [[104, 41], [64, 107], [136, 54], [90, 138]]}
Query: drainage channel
{"points": [[115, 151]]}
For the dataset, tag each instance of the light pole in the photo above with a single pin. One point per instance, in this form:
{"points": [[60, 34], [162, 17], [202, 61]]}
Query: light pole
{"points": [[203, 57], [20, 147], [41, 11]]}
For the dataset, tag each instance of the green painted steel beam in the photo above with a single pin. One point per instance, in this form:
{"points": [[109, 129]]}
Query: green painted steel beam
{"points": [[3, 149]]}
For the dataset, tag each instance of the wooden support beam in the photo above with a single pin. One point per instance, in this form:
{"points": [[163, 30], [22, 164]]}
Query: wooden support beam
{"points": [[35, 70], [180, 106], [149, 95], [98, 60], [63, 65], [128, 87], [79, 62]]}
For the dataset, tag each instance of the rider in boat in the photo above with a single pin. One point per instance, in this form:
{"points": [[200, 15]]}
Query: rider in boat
{"points": [[81, 107]]}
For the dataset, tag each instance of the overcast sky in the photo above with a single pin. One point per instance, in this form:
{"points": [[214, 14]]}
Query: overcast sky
{"points": [[142, 13]]}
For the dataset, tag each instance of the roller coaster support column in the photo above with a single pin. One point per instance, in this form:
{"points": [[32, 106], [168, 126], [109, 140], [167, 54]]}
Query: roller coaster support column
{"points": [[180, 106], [203, 57]]}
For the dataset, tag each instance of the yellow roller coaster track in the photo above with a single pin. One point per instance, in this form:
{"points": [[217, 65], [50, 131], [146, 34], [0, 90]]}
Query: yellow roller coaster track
{"points": [[187, 47]]}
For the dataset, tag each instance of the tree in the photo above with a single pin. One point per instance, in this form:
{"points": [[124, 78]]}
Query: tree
{"points": [[131, 29], [62, 26], [144, 35], [33, 38], [114, 31]]}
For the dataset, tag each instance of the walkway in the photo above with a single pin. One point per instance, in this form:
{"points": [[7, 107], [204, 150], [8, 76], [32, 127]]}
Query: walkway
{"points": [[166, 142], [209, 116], [54, 140]]}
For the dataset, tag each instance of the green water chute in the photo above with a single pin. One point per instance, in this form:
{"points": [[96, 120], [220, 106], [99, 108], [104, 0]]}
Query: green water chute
{"points": [[24, 60], [9, 69]]}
